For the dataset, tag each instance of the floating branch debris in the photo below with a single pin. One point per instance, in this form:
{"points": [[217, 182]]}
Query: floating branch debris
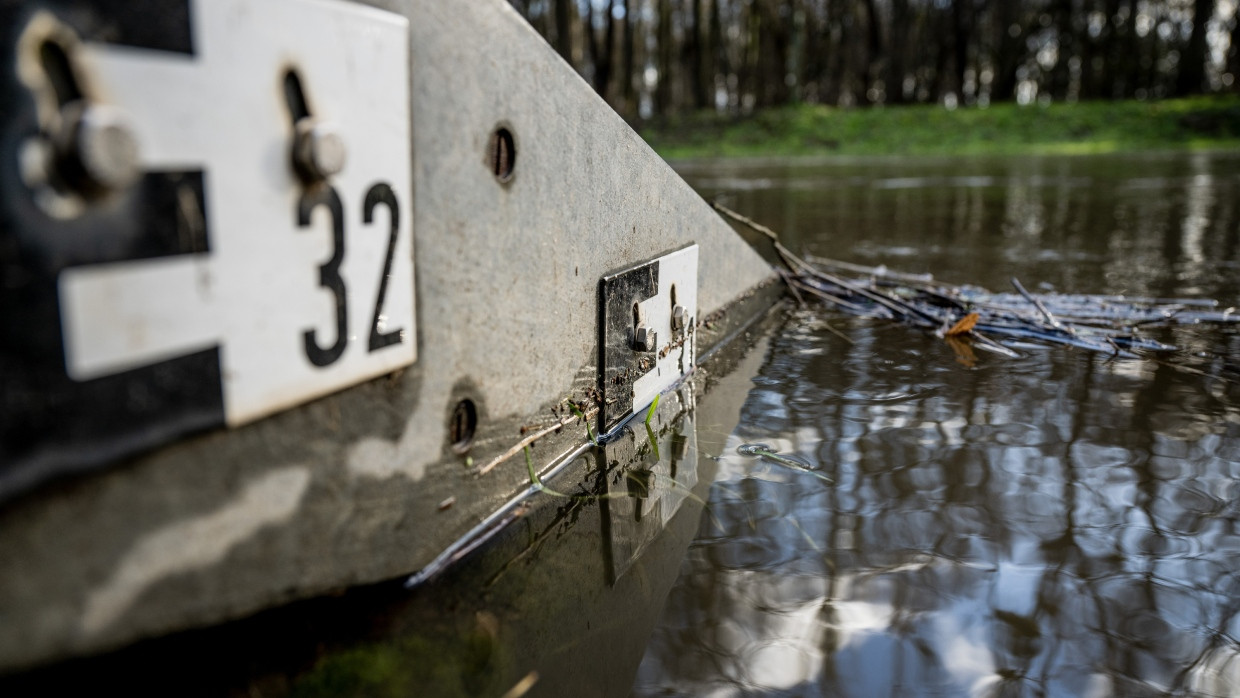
{"points": [[991, 321]]}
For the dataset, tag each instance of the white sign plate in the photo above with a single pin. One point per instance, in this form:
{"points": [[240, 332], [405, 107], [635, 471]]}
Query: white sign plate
{"points": [[678, 353], [645, 297], [297, 309]]}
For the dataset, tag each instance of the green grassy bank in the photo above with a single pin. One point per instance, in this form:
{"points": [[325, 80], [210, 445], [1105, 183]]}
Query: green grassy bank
{"points": [[1085, 127]]}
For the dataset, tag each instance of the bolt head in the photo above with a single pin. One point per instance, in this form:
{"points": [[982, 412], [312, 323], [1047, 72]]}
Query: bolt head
{"points": [[98, 147], [678, 317], [645, 339], [318, 149]]}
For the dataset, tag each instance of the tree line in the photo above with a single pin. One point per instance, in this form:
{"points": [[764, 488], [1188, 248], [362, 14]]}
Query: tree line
{"points": [[658, 57]]}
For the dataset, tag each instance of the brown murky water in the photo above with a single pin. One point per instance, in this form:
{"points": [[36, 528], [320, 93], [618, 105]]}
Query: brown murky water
{"points": [[1058, 524]]}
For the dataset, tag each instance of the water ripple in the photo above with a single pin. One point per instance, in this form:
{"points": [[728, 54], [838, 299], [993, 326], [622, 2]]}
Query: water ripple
{"points": [[1058, 524]]}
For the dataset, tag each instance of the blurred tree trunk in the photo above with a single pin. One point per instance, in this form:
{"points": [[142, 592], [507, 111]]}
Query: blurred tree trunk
{"points": [[812, 54], [628, 64], [774, 51], [835, 64], [694, 55], [1191, 77], [942, 22], [663, 89], [1061, 76], [962, 30], [1105, 79], [601, 56], [874, 49], [893, 81], [603, 70], [794, 58], [1087, 46], [759, 48], [590, 39], [1233, 53], [1131, 69], [563, 30], [749, 34], [1009, 43], [718, 52], [1155, 50]]}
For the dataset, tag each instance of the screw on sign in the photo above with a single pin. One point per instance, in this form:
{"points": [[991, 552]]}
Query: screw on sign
{"points": [[97, 143], [645, 339], [678, 317], [318, 149]]}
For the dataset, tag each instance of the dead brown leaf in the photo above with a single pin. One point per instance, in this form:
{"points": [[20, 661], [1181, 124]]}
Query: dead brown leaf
{"points": [[965, 324]]}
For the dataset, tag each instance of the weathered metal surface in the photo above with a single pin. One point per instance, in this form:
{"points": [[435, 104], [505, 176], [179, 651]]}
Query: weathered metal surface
{"points": [[347, 489], [646, 333]]}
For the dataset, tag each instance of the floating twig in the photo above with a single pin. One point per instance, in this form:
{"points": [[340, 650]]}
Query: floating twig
{"points": [[1036, 303], [1104, 324]]}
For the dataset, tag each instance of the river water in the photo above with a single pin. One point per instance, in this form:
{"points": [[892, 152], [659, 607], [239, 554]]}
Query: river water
{"points": [[1058, 524]]}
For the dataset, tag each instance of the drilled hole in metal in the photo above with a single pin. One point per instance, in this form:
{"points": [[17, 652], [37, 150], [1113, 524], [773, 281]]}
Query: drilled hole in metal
{"points": [[502, 154], [464, 423]]}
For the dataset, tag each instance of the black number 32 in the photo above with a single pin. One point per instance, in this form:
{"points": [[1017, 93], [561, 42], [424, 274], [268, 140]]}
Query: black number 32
{"points": [[329, 272]]}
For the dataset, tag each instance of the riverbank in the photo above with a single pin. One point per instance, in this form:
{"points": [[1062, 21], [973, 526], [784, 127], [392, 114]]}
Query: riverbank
{"points": [[1007, 129]]}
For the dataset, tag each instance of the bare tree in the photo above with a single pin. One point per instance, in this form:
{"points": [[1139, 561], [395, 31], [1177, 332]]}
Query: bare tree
{"points": [[893, 81], [665, 52], [1233, 52], [563, 29], [1192, 74], [601, 56], [767, 53]]}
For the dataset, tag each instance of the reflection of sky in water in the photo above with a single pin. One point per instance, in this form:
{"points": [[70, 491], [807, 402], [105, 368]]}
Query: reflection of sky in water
{"points": [[1051, 525]]}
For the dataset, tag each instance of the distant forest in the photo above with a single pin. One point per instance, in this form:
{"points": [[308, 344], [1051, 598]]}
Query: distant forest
{"points": [[657, 57]]}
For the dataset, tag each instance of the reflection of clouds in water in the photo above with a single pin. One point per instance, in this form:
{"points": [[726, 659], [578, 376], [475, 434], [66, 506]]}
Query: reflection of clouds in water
{"points": [[1057, 524], [1217, 672], [1052, 525], [968, 659]]}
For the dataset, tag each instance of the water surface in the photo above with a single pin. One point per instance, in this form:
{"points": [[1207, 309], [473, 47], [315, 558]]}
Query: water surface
{"points": [[1058, 524]]}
